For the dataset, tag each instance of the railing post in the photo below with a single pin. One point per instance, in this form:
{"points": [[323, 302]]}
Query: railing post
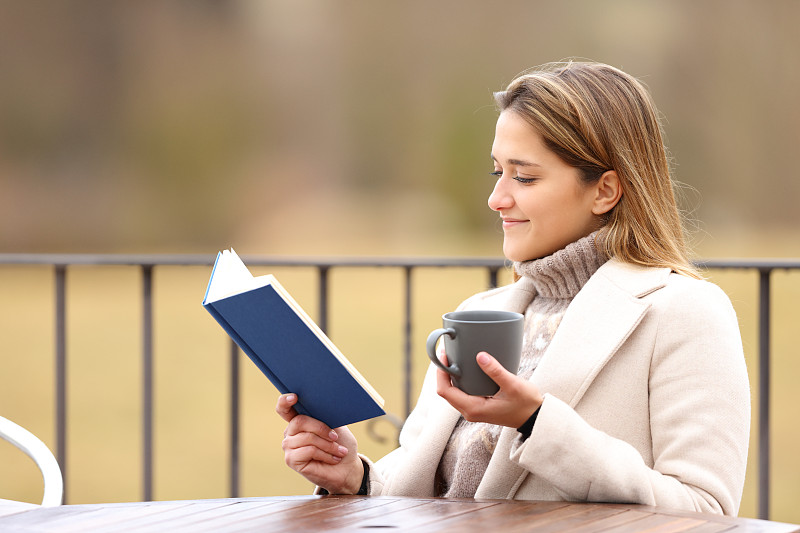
{"points": [[763, 392], [61, 372], [322, 321], [234, 427], [147, 380], [493, 277], [407, 364]]}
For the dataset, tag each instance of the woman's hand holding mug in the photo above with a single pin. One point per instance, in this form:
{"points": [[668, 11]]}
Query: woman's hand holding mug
{"points": [[511, 406], [478, 376]]}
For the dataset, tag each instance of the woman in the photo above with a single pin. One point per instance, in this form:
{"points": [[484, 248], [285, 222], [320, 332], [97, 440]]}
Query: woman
{"points": [[632, 386]]}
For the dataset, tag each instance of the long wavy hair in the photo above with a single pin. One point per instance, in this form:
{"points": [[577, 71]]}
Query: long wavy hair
{"points": [[597, 118]]}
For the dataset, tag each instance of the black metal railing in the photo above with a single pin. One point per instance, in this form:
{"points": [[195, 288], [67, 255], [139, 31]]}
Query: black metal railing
{"points": [[147, 263]]}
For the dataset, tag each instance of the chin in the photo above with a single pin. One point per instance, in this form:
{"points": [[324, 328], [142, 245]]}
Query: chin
{"points": [[521, 256], [515, 255]]}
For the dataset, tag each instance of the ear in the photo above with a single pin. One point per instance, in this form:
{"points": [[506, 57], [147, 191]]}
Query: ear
{"points": [[608, 191]]}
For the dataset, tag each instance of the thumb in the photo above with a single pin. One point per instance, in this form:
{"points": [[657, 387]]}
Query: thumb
{"points": [[492, 368], [285, 406]]}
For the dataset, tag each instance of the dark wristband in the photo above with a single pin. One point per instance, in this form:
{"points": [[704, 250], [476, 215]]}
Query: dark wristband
{"points": [[526, 428], [364, 490]]}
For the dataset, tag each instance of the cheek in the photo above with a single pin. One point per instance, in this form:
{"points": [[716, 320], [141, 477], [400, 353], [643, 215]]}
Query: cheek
{"points": [[545, 206], [577, 201], [535, 204]]}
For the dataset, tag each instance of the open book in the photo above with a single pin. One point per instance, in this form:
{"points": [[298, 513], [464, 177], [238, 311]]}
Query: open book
{"points": [[287, 346]]}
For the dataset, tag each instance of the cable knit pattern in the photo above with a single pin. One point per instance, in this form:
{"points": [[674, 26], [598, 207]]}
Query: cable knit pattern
{"points": [[557, 279]]}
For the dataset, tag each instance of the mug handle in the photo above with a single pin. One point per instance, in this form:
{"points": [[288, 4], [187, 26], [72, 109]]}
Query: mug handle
{"points": [[433, 338]]}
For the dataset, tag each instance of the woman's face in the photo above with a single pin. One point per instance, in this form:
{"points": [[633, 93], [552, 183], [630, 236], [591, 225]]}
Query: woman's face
{"points": [[542, 201]]}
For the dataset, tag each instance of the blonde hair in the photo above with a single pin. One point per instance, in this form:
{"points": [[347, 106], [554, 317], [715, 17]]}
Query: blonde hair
{"points": [[597, 118]]}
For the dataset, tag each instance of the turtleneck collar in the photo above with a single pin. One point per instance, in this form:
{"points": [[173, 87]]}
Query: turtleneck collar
{"points": [[564, 273]]}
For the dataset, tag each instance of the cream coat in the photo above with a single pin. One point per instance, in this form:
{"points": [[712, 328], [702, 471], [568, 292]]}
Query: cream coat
{"points": [[646, 401]]}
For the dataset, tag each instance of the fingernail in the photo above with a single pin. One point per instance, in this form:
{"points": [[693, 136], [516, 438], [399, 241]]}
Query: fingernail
{"points": [[483, 358], [342, 450], [332, 435], [336, 458], [291, 398]]}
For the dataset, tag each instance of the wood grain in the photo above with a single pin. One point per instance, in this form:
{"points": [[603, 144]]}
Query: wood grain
{"points": [[354, 513]]}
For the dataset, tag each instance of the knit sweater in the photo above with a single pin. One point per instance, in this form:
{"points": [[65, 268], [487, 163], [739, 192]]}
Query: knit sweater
{"points": [[556, 279]]}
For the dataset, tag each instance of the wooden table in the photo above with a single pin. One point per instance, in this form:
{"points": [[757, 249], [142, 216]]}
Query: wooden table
{"points": [[352, 513]]}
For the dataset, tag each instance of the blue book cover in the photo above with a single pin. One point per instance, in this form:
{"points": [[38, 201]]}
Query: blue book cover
{"points": [[287, 346]]}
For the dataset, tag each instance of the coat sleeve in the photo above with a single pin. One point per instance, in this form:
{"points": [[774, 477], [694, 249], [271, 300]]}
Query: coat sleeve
{"points": [[699, 402]]}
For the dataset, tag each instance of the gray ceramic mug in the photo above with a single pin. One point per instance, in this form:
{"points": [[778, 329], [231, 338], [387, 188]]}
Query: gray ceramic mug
{"points": [[466, 333]]}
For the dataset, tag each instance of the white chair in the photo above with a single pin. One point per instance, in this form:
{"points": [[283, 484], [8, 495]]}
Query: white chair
{"points": [[41, 455]]}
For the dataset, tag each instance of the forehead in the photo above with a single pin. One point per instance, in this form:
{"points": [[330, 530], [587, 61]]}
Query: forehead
{"points": [[513, 124], [515, 138]]}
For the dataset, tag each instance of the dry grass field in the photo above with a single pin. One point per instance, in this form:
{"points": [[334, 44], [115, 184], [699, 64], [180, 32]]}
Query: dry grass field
{"points": [[104, 371]]}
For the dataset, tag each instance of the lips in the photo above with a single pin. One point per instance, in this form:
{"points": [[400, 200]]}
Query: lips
{"points": [[509, 222]]}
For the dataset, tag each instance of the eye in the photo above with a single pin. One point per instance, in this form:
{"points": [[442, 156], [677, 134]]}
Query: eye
{"points": [[520, 179]]}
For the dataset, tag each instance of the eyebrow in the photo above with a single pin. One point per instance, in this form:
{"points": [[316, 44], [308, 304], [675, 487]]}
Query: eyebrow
{"points": [[518, 162]]}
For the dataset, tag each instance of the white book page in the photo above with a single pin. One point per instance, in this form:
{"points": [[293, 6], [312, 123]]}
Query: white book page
{"points": [[231, 276]]}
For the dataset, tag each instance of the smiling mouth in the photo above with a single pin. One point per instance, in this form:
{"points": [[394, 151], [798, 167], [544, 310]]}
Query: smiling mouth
{"points": [[511, 222]]}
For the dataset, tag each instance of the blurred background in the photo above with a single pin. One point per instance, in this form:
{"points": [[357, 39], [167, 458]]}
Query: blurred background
{"points": [[362, 127], [333, 128]]}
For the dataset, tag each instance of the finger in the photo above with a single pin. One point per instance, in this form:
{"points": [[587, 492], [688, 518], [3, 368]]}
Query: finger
{"points": [[298, 458], [285, 406], [445, 388], [442, 377], [304, 440], [492, 368], [442, 381], [306, 424]]}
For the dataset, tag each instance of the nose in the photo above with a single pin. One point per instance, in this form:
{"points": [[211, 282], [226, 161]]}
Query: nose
{"points": [[501, 197]]}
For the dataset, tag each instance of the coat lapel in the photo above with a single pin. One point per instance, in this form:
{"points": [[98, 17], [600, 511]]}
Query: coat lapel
{"points": [[601, 317]]}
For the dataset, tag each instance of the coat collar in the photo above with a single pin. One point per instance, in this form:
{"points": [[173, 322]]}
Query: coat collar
{"points": [[636, 281]]}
